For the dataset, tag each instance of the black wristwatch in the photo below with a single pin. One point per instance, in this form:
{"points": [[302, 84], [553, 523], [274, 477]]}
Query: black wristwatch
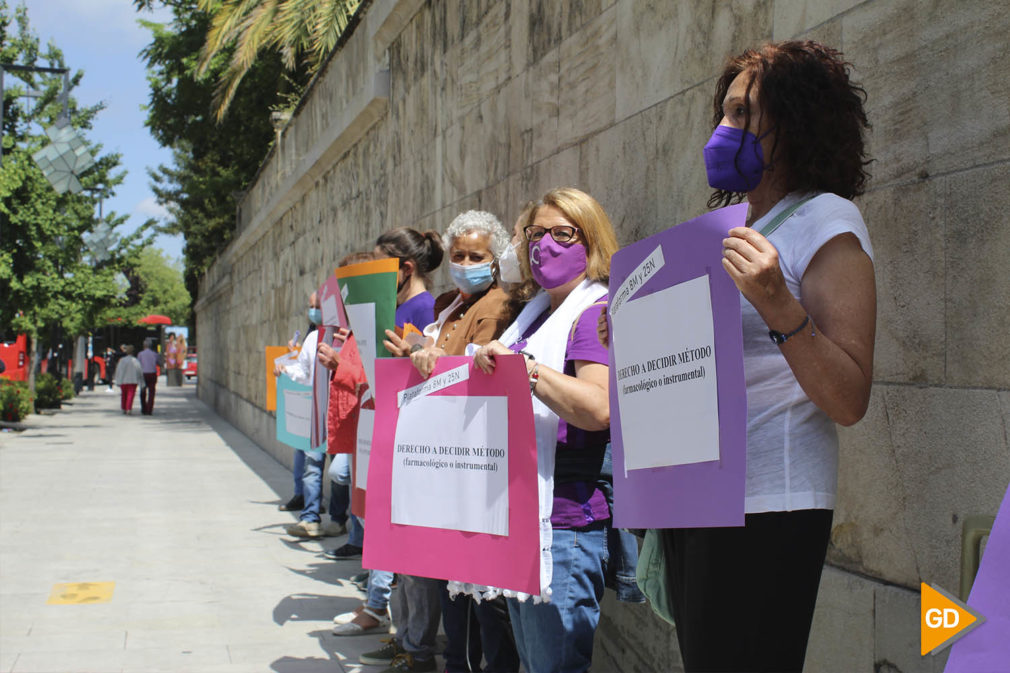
{"points": [[779, 338]]}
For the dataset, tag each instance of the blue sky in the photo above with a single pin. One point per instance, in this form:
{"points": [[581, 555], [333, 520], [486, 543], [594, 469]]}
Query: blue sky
{"points": [[102, 38]]}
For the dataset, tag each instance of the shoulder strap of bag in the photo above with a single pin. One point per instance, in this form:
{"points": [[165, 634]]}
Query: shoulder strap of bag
{"points": [[767, 230]]}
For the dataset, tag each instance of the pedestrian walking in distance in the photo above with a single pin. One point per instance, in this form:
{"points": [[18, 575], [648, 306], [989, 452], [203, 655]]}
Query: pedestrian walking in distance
{"points": [[129, 374], [149, 361]]}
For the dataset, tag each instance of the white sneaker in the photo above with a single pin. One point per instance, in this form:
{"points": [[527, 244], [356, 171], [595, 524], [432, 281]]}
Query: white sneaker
{"points": [[305, 529], [348, 617], [379, 624]]}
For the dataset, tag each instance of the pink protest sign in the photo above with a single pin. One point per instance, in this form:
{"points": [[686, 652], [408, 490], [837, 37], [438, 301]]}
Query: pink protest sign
{"points": [[678, 403], [452, 478], [331, 303]]}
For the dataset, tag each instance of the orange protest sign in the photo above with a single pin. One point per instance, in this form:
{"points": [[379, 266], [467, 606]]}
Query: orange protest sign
{"points": [[272, 353], [386, 265]]}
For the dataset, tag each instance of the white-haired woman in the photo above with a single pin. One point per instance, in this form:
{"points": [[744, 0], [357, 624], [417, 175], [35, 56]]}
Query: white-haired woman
{"points": [[477, 311]]}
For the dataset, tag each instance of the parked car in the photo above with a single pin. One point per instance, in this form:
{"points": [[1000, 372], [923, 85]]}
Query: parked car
{"points": [[189, 371]]}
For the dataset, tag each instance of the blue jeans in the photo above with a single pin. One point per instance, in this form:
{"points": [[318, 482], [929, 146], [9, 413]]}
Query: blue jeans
{"points": [[557, 637], [623, 546], [340, 488], [355, 532], [312, 482], [340, 469], [378, 590], [297, 471]]}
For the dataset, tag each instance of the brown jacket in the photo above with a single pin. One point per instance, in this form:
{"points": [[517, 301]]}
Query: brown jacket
{"points": [[481, 320]]}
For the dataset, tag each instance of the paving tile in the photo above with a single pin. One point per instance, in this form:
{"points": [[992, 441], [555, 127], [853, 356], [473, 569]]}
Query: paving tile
{"points": [[175, 659], [180, 511], [66, 640], [77, 661]]}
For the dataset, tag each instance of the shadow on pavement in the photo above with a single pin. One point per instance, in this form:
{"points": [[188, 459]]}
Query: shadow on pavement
{"points": [[307, 665], [326, 571], [299, 544], [336, 661], [278, 501], [312, 608]]}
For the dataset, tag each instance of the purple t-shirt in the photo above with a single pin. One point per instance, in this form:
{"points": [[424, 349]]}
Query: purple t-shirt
{"points": [[148, 361], [580, 503], [419, 311]]}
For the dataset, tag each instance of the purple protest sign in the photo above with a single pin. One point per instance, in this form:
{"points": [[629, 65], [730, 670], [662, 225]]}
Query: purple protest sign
{"points": [[677, 379], [987, 647]]}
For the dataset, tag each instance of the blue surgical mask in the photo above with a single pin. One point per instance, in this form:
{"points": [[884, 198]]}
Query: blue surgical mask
{"points": [[473, 278], [316, 316]]}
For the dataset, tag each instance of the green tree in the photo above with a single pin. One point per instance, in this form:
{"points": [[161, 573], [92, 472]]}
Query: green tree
{"points": [[156, 286], [46, 280], [213, 163], [301, 31]]}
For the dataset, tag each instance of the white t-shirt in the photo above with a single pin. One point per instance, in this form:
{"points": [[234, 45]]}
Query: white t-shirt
{"points": [[304, 368], [792, 446]]}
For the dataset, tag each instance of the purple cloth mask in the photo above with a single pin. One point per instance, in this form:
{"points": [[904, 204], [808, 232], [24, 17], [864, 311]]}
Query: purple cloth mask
{"points": [[554, 264], [734, 160]]}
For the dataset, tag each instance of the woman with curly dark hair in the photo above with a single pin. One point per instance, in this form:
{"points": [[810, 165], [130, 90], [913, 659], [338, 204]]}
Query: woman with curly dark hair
{"points": [[789, 134]]}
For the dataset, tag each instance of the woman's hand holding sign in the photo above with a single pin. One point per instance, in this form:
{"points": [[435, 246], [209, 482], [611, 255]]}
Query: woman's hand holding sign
{"points": [[424, 359], [484, 359], [753, 264], [327, 356]]}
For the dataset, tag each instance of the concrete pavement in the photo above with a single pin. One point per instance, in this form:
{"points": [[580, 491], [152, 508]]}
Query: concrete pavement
{"points": [[179, 511]]}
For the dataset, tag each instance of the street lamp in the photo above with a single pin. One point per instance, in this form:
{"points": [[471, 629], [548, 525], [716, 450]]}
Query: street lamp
{"points": [[67, 156], [102, 239]]}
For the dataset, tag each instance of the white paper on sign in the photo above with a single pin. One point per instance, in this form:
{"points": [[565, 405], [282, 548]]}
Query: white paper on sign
{"points": [[434, 384], [288, 358], [362, 319], [298, 412], [329, 307], [667, 391], [363, 450], [639, 277], [452, 474]]}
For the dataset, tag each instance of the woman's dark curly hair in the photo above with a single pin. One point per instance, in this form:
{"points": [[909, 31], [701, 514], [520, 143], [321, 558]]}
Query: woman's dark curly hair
{"points": [[815, 111]]}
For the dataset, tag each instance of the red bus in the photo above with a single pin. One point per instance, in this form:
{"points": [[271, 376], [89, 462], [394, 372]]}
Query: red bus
{"points": [[15, 358]]}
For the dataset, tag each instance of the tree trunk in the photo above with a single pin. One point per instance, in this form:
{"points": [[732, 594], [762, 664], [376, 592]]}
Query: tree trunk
{"points": [[32, 361]]}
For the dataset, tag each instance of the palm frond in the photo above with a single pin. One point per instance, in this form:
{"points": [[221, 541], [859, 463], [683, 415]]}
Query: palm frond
{"points": [[225, 26], [254, 35], [306, 30], [329, 22]]}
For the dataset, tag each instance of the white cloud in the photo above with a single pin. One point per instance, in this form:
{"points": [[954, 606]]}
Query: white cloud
{"points": [[149, 207]]}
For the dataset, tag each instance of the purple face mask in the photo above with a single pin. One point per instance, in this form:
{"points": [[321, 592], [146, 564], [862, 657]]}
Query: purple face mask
{"points": [[732, 166], [554, 264]]}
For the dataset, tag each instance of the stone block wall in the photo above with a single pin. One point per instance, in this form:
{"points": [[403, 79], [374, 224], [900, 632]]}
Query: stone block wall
{"points": [[436, 106]]}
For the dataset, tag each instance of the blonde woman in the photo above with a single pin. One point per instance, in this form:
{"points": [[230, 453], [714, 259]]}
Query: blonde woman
{"points": [[568, 244]]}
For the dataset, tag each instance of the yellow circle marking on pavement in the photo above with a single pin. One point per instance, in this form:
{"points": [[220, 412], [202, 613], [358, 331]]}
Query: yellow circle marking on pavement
{"points": [[80, 593]]}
